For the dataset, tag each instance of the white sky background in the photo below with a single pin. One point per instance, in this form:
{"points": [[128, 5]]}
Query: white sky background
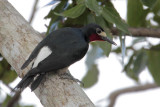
{"points": [[110, 78]]}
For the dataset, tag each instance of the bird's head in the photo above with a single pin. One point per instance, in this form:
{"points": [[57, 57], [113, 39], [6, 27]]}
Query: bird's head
{"points": [[94, 32]]}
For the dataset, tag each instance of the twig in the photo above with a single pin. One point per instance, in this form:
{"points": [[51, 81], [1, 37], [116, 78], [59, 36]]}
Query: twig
{"points": [[14, 99], [33, 11], [140, 32], [113, 96]]}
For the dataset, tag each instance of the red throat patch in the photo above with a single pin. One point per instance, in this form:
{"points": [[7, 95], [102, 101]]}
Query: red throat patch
{"points": [[95, 37]]}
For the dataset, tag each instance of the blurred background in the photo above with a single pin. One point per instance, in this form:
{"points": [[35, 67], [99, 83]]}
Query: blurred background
{"points": [[126, 75]]}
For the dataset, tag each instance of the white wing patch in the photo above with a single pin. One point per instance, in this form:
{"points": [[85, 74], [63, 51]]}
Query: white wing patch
{"points": [[43, 53]]}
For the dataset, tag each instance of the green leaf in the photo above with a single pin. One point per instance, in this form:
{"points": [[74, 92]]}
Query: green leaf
{"points": [[140, 62], [131, 74], [156, 8], [80, 1], [1, 69], [154, 64], [156, 11], [54, 18], [73, 12], [136, 15], [90, 18], [129, 68], [77, 22], [156, 47], [117, 50], [94, 6], [105, 46], [9, 76], [59, 8], [92, 74], [149, 3], [91, 77], [109, 5], [112, 16], [136, 64], [6, 74], [156, 18]]}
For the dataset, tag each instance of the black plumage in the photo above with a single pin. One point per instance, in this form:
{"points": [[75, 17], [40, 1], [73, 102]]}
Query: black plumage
{"points": [[67, 45]]}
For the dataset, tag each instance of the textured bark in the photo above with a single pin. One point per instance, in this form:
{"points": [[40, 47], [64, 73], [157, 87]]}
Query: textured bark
{"points": [[17, 40]]}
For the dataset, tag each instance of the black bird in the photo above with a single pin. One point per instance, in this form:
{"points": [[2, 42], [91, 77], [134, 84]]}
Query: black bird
{"points": [[58, 50]]}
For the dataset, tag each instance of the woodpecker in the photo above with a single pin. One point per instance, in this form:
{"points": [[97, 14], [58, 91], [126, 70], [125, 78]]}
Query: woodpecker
{"points": [[59, 50]]}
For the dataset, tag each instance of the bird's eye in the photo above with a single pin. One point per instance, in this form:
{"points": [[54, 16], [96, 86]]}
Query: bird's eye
{"points": [[98, 30]]}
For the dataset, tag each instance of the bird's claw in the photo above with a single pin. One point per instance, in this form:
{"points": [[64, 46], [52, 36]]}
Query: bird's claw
{"points": [[70, 77]]}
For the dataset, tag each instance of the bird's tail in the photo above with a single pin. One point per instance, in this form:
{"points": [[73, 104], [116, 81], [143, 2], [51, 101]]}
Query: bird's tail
{"points": [[29, 79], [37, 81], [26, 81]]}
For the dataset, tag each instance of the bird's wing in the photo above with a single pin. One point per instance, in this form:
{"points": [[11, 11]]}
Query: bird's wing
{"points": [[33, 55], [61, 60], [66, 49]]}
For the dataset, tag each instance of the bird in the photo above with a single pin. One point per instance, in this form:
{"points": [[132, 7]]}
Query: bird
{"points": [[60, 49]]}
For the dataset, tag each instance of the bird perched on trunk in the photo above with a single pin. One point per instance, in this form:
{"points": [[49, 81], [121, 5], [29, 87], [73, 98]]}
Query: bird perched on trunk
{"points": [[58, 50]]}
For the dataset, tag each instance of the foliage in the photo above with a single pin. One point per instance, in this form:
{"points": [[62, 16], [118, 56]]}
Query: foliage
{"points": [[145, 56], [153, 63]]}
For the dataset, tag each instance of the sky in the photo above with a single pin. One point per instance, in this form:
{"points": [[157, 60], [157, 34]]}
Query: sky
{"points": [[110, 78]]}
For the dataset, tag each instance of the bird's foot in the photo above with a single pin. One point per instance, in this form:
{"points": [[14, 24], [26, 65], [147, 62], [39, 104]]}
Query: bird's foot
{"points": [[70, 77]]}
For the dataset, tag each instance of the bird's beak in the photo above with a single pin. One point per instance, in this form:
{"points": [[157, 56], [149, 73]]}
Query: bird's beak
{"points": [[105, 38]]}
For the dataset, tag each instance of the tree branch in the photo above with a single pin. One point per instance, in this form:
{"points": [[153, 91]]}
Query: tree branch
{"points": [[114, 95], [33, 11], [140, 32], [17, 41], [14, 99]]}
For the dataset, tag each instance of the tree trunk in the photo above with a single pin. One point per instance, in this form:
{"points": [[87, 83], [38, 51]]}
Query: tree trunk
{"points": [[17, 40]]}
